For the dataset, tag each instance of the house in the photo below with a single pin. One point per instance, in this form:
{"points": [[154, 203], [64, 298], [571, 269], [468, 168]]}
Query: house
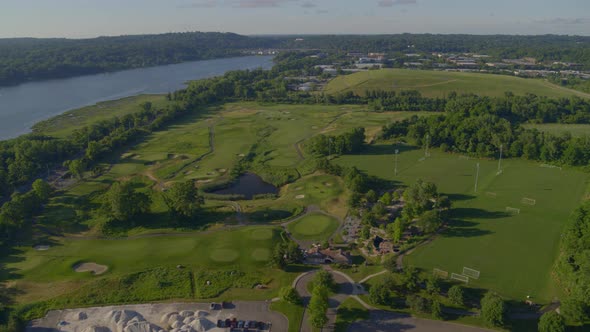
{"points": [[316, 255], [385, 247]]}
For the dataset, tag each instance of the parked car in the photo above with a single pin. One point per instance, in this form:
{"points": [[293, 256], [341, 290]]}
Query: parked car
{"points": [[212, 306], [228, 323], [241, 324], [220, 323]]}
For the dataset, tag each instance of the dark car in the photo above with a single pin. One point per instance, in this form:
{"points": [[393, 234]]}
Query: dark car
{"points": [[220, 323], [212, 306], [241, 324], [228, 323]]}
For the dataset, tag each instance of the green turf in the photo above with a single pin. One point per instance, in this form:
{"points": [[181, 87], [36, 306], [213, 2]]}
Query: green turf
{"points": [[577, 130], [294, 313], [440, 83], [514, 253], [349, 312], [216, 249], [317, 227], [63, 124]]}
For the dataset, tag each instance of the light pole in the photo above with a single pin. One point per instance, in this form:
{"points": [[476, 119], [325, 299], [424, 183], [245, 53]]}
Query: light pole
{"points": [[427, 143], [476, 176], [396, 153], [500, 160]]}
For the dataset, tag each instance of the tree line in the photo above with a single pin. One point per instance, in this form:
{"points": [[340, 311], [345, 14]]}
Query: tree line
{"points": [[29, 59]]}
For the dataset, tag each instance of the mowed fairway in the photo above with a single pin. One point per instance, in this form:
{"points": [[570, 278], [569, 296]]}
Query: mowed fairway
{"points": [[439, 83], [317, 227], [514, 252], [248, 248]]}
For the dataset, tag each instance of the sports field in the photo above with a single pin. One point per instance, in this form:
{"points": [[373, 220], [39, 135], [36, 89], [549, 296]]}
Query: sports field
{"points": [[440, 83], [513, 252]]}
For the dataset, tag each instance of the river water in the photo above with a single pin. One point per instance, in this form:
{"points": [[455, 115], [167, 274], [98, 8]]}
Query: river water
{"points": [[23, 105]]}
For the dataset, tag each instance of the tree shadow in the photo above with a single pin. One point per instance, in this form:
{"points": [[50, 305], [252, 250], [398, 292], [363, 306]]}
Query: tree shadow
{"points": [[387, 149], [463, 228], [458, 197], [381, 320], [474, 213]]}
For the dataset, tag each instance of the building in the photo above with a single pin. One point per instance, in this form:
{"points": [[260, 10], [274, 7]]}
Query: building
{"points": [[316, 255]]}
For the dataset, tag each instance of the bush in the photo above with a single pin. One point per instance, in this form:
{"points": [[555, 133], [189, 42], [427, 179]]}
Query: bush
{"points": [[456, 295], [290, 295], [436, 310], [379, 294], [493, 309], [551, 322], [417, 303], [573, 311]]}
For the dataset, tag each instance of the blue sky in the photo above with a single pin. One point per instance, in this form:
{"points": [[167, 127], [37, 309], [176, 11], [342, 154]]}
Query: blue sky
{"points": [[89, 18]]}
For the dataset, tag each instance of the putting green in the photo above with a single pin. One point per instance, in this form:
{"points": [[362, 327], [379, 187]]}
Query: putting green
{"points": [[314, 226], [224, 255], [261, 254]]}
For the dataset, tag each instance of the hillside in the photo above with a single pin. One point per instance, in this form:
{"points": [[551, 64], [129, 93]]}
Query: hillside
{"points": [[439, 83]]}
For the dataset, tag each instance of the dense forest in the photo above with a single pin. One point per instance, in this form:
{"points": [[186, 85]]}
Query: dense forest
{"points": [[29, 59]]}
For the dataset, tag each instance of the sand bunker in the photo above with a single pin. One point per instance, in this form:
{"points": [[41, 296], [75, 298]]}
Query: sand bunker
{"points": [[300, 197], [41, 247], [327, 184], [96, 269]]}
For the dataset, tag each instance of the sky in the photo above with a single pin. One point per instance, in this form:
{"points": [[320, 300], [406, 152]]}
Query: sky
{"points": [[91, 18]]}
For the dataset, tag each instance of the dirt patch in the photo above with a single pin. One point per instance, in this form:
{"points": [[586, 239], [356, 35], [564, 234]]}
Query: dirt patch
{"points": [[96, 269], [205, 181], [327, 184], [300, 197]]}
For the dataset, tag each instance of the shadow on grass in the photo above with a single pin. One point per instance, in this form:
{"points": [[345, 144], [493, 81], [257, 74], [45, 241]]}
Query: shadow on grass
{"points": [[463, 228], [473, 213], [387, 149]]}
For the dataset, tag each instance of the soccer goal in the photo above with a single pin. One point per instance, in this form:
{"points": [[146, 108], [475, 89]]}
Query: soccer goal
{"points": [[491, 194], [551, 166], [460, 277], [464, 157], [528, 201], [422, 159], [440, 273], [471, 273], [512, 210]]}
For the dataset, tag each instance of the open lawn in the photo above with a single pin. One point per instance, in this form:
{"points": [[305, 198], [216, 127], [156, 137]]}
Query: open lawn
{"points": [[514, 252], [317, 227], [576, 130], [63, 124], [440, 83]]}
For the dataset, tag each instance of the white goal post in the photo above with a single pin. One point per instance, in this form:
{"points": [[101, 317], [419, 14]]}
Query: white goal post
{"points": [[512, 210], [491, 194], [440, 273], [460, 277], [471, 273], [528, 201]]}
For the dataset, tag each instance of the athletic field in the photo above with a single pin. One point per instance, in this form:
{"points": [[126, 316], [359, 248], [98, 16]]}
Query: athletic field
{"points": [[513, 251]]}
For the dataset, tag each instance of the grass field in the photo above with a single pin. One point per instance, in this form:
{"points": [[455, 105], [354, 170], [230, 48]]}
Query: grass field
{"points": [[63, 124], [247, 248], [317, 227], [440, 83], [514, 253], [576, 130]]}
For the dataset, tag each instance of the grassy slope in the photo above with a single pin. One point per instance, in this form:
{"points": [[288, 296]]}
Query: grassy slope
{"points": [[576, 130], [349, 312], [513, 252], [439, 83], [64, 124]]}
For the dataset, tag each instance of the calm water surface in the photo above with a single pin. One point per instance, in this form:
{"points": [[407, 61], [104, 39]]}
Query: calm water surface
{"points": [[249, 185], [26, 104]]}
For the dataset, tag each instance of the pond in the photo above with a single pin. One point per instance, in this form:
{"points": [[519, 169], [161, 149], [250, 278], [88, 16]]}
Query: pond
{"points": [[248, 185]]}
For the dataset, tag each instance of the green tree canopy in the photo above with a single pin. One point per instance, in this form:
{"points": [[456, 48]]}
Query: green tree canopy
{"points": [[123, 203], [183, 199], [551, 322], [493, 309]]}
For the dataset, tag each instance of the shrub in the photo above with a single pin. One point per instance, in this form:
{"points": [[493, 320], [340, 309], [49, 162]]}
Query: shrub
{"points": [[551, 322], [290, 295], [456, 295], [417, 303], [493, 309], [436, 310]]}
